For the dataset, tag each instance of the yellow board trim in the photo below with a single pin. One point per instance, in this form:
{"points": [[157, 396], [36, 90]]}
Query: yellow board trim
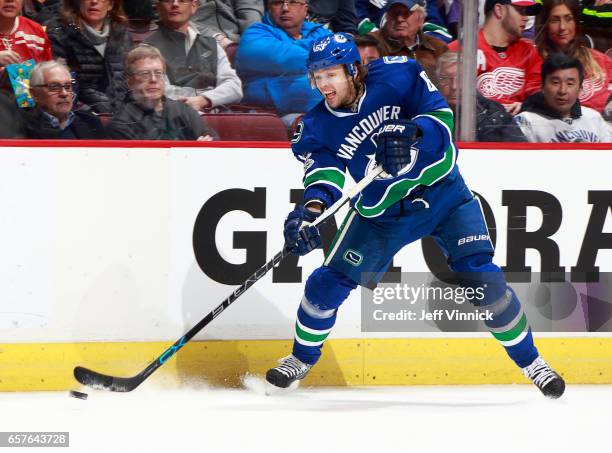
{"points": [[410, 361]]}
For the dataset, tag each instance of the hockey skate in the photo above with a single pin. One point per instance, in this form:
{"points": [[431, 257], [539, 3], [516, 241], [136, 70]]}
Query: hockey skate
{"points": [[545, 378], [289, 371]]}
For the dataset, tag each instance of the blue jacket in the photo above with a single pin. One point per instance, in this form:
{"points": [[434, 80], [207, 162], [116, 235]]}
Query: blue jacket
{"points": [[272, 66]]}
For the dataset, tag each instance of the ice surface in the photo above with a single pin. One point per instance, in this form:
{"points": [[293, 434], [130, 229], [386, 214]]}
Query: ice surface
{"points": [[323, 420]]}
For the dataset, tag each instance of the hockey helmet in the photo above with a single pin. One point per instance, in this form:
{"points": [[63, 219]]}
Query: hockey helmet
{"points": [[333, 50]]}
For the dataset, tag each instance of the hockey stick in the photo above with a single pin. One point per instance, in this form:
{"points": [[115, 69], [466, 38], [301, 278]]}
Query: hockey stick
{"points": [[101, 381]]}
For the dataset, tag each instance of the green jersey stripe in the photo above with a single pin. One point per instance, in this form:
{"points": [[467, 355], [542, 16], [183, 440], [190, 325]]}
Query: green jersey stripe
{"points": [[302, 334], [428, 176], [516, 341], [397, 191], [312, 331], [445, 116], [331, 176], [513, 332]]}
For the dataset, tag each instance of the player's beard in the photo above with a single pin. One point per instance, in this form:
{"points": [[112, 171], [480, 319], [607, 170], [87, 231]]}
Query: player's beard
{"points": [[355, 91]]}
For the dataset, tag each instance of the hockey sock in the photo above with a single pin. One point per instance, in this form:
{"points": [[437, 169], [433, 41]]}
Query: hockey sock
{"points": [[509, 324], [311, 329], [511, 328], [325, 291]]}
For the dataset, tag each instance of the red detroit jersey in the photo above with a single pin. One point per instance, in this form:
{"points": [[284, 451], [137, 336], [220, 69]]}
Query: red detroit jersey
{"points": [[596, 90], [508, 76], [29, 40]]}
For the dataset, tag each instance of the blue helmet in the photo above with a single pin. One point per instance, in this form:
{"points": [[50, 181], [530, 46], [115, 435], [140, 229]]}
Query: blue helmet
{"points": [[333, 50]]}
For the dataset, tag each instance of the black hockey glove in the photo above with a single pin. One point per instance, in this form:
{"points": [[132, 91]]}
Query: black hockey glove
{"points": [[393, 144], [299, 234]]}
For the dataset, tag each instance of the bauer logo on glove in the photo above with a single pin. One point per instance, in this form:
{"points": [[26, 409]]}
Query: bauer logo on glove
{"points": [[396, 146], [393, 128]]}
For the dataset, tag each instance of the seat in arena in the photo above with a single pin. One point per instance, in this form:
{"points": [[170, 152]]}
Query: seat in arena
{"points": [[247, 126]]}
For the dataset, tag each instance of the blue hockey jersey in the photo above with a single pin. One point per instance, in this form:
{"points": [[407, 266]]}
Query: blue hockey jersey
{"points": [[329, 141]]}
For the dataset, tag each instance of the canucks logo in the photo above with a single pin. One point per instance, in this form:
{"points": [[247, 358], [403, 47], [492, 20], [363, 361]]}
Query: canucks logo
{"points": [[297, 134], [319, 47], [352, 257]]}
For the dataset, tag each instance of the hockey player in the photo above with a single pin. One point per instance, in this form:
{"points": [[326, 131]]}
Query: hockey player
{"points": [[388, 113]]}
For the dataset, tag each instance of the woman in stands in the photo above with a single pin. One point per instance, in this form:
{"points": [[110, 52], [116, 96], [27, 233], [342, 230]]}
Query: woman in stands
{"points": [[561, 32], [92, 36]]}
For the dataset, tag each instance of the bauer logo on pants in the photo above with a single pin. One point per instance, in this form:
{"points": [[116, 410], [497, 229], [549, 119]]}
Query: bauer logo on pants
{"points": [[353, 257]]}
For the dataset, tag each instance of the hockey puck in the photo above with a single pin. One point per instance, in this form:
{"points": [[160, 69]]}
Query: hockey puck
{"points": [[80, 395]]}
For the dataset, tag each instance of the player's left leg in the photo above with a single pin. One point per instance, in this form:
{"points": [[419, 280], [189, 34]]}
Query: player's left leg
{"points": [[326, 289], [464, 235], [360, 254]]}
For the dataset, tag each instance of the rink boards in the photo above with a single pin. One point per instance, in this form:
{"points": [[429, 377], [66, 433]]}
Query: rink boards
{"points": [[110, 253]]}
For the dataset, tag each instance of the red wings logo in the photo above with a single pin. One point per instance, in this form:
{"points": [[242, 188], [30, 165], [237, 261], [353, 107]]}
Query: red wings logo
{"points": [[503, 81], [590, 87]]}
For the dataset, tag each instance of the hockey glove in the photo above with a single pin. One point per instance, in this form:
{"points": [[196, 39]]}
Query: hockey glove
{"points": [[300, 236], [394, 143]]}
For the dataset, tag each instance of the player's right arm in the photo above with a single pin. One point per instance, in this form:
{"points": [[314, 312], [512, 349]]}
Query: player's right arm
{"points": [[324, 172], [323, 182]]}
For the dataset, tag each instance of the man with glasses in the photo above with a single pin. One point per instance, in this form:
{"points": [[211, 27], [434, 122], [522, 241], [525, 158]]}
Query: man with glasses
{"points": [[508, 66], [271, 59], [371, 15], [54, 117], [199, 72], [493, 123], [147, 114], [402, 35]]}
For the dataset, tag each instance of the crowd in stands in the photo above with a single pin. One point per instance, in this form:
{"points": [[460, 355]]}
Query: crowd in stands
{"points": [[157, 69]]}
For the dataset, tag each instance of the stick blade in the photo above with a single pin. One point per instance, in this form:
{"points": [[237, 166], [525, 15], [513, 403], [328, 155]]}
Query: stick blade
{"points": [[101, 381]]}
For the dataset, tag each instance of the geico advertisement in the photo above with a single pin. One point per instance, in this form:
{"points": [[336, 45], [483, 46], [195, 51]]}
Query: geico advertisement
{"points": [[140, 244]]}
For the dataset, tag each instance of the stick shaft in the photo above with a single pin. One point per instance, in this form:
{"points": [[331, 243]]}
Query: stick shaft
{"points": [[119, 384]]}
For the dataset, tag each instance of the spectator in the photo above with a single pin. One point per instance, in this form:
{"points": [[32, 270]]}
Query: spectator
{"points": [[11, 125], [555, 115], [336, 15], [198, 70], [92, 36], [226, 20], [271, 59], [22, 38], [493, 123], [453, 9], [371, 17], [142, 19], [401, 34], [369, 48], [508, 66], [597, 19], [51, 87], [41, 11], [146, 114], [562, 33]]}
